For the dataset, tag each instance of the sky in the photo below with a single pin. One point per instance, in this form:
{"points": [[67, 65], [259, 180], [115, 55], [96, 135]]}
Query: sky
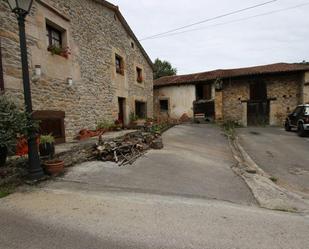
{"points": [[230, 42]]}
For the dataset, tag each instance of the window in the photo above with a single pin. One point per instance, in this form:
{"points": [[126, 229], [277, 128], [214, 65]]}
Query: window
{"points": [[119, 64], [54, 37], [163, 105], [203, 92], [51, 122], [140, 109], [132, 45], [139, 74]]}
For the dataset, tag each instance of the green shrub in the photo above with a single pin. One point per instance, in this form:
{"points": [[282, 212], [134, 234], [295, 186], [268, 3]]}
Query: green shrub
{"points": [[104, 124], [133, 117], [14, 123], [47, 139], [229, 127]]}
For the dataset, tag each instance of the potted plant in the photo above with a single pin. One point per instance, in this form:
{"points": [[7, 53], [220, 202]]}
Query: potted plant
{"points": [[47, 146], [64, 52], [14, 123], [54, 167]]}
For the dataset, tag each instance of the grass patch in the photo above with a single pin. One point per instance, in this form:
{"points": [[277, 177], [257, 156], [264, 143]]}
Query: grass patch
{"points": [[3, 194], [7, 189], [273, 179], [229, 127]]}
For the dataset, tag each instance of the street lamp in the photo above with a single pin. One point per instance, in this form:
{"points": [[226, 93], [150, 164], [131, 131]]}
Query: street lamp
{"points": [[22, 8]]}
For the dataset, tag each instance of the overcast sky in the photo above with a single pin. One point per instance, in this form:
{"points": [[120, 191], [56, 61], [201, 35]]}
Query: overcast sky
{"points": [[279, 37]]}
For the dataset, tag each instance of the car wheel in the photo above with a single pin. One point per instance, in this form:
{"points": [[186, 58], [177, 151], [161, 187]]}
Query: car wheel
{"points": [[300, 130], [287, 126]]}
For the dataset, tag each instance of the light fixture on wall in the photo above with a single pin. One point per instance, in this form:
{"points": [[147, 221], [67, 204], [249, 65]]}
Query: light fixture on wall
{"points": [[218, 84], [38, 70], [70, 81], [37, 73]]}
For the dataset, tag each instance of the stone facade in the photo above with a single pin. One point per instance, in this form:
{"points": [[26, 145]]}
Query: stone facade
{"points": [[284, 91], [306, 88], [94, 33]]}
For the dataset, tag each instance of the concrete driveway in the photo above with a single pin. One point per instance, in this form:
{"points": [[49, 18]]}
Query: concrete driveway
{"points": [[282, 154], [195, 162]]}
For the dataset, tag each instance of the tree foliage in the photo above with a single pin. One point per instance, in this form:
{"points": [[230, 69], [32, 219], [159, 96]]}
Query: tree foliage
{"points": [[163, 68]]}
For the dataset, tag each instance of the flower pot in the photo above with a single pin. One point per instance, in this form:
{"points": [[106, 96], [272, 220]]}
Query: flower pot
{"points": [[3, 155], [54, 167], [47, 150]]}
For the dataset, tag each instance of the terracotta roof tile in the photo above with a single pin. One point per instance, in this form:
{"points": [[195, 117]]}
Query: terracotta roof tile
{"points": [[230, 73]]}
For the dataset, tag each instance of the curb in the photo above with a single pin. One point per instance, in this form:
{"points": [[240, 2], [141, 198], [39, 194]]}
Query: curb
{"points": [[268, 194]]}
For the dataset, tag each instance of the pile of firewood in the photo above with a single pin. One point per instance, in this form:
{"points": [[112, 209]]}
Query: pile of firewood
{"points": [[127, 149]]}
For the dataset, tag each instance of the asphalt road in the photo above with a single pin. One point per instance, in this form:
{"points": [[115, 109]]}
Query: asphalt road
{"points": [[165, 200], [282, 154], [195, 162], [52, 219]]}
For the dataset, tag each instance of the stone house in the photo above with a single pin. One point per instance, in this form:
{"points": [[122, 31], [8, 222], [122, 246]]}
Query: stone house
{"points": [[86, 65], [250, 96]]}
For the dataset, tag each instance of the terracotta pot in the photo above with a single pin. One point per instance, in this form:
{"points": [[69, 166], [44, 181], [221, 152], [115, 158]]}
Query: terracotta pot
{"points": [[54, 167], [3, 155]]}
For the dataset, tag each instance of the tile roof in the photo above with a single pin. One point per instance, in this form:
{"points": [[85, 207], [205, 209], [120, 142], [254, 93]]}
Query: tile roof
{"points": [[230, 73]]}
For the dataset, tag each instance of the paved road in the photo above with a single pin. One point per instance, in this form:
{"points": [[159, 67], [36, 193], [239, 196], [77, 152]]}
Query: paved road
{"points": [[282, 154], [196, 161], [162, 201], [64, 219]]}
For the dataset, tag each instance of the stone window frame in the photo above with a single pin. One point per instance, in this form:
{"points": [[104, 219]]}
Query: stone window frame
{"points": [[139, 74], [119, 64], [132, 45], [53, 26], [139, 83], [136, 101]]}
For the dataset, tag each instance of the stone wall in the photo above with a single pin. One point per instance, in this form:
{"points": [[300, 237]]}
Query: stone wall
{"points": [[234, 92], [286, 90], [94, 34], [283, 89], [306, 88]]}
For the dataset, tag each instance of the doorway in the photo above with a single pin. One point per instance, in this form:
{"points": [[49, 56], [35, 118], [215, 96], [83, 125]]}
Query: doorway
{"points": [[258, 105], [121, 110]]}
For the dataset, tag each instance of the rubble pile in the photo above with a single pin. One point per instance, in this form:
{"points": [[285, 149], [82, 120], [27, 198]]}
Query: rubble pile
{"points": [[127, 149]]}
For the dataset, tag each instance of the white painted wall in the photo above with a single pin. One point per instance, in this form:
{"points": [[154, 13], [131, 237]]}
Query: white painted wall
{"points": [[180, 99]]}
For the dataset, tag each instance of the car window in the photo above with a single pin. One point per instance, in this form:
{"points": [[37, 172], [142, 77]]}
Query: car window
{"points": [[307, 110], [297, 110]]}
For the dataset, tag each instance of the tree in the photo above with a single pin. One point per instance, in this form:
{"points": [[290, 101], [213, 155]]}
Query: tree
{"points": [[163, 68]]}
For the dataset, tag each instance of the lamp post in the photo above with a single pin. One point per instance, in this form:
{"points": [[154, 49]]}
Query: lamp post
{"points": [[21, 9]]}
